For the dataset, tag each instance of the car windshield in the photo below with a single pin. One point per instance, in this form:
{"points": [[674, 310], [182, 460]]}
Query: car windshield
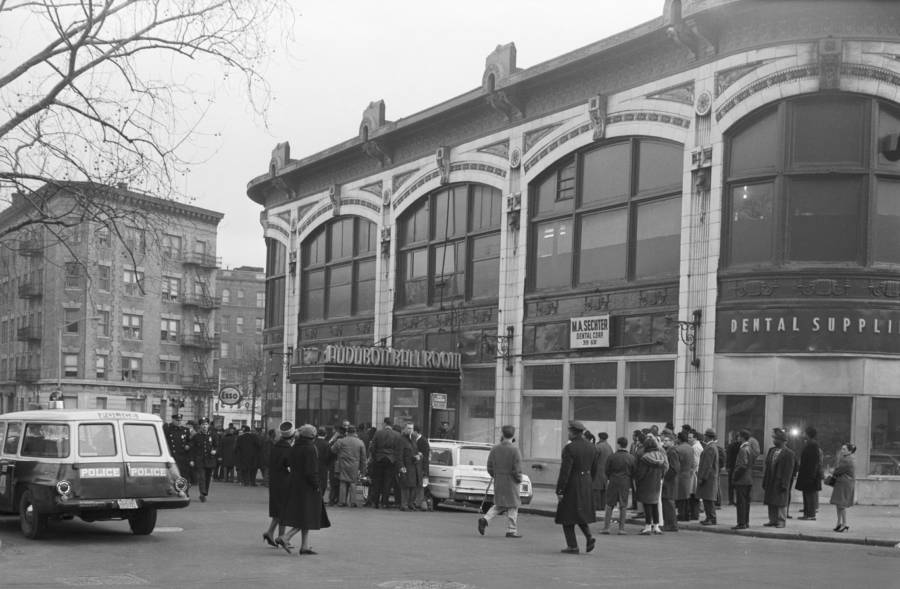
{"points": [[141, 440], [473, 456]]}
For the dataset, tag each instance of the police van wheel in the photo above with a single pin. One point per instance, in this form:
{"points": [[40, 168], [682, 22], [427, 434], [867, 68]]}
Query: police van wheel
{"points": [[143, 522], [32, 521]]}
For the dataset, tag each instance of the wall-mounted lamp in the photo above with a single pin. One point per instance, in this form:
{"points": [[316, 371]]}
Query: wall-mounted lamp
{"points": [[687, 330], [504, 347]]}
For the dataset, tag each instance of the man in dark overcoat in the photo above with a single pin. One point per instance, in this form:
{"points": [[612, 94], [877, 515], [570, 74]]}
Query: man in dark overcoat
{"points": [[423, 449], [204, 448], [382, 452], [708, 477], [600, 482], [743, 479], [731, 452], [246, 456], [779, 469], [178, 438], [573, 488], [685, 477], [810, 474], [407, 474], [504, 464]]}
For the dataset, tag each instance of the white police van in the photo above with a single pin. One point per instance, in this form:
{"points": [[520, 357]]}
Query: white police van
{"points": [[94, 464]]}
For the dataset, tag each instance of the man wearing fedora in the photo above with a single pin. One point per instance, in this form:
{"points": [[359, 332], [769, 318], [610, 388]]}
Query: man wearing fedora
{"points": [[573, 488], [779, 469], [504, 464]]}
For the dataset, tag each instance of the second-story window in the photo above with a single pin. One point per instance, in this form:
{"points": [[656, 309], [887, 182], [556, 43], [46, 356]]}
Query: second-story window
{"points": [[132, 326]]}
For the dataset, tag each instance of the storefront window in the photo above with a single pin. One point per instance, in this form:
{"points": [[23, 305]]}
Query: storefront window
{"points": [[737, 412], [885, 456], [328, 405], [651, 375], [648, 411], [542, 427], [544, 377], [594, 376], [829, 415], [598, 414]]}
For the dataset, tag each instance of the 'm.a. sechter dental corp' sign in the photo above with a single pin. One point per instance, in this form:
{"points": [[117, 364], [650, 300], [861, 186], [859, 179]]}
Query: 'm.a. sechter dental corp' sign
{"points": [[589, 332]]}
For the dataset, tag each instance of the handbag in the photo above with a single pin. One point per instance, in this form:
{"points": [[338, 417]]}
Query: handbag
{"points": [[830, 480]]}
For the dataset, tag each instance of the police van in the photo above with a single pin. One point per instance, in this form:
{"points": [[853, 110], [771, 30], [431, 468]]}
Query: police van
{"points": [[94, 464]]}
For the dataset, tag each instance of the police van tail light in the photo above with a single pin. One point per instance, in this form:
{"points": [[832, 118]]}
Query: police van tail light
{"points": [[64, 488], [181, 485]]}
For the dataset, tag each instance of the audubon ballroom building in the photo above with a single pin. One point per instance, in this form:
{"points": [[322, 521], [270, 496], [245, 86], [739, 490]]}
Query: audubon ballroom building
{"points": [[694, 221]]}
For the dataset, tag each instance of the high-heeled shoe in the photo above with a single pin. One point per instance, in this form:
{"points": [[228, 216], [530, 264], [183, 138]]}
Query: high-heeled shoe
{"points": [[279, 541], [843, 529], [269, 540]]}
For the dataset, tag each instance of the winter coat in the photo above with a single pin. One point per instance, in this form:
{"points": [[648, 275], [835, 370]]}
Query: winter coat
{"points": [[383, 444], [279, 476], [604, 450], [810, 472], [424, 449], [777, 477], [246, 451], [227, 448], [845, 481], [204, 448], [743, 466], [708, 473], [407, 457], [323, 451], [304, 508], [619, 472], [685, 481], [350, 458], [576, 474], [670, 479], [504, 463], [648, 475]]}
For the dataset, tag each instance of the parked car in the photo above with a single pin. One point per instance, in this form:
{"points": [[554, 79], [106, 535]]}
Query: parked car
{"points": [[94, 464], [457, 471]]}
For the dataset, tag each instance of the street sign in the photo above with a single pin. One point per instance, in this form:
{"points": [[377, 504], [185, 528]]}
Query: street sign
{"points": [[438, 400], [229, 396]]}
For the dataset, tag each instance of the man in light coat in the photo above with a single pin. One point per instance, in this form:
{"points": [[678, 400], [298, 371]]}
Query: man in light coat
{"points": [[504, 464], [708, 477], [349, 465], [779, 470]]}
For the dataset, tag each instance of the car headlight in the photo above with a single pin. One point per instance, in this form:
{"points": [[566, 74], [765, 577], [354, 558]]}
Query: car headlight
{"points": [[64, 488], [181, 484]]}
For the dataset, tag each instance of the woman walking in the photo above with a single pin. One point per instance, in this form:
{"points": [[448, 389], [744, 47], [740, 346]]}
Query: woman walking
{"points": [[844, 482], [648, 475], [279, 478], [304, 509]]}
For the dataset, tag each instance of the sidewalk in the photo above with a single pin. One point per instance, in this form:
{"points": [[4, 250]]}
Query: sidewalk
{"points": [[869, 525]]}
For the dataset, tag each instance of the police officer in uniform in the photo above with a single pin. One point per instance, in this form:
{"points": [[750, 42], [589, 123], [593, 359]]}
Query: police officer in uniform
{"points": [[204, 446], [178, 438]]}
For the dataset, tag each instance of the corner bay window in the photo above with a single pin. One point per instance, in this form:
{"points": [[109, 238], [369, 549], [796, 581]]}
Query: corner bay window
{"points": [[338, 276], [609, 214], [449, 246], [829, 196]]}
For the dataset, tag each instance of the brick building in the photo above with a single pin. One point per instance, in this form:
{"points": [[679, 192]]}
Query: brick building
{"points": [[694, 221]]}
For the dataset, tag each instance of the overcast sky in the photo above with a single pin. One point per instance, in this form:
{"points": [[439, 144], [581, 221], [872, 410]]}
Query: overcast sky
{"points": [[345, 54]]}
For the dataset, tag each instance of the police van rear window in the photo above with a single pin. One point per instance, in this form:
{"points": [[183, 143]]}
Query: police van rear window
{"points": [[46, 440], [96, 439], [141, 440], [11, 442]]}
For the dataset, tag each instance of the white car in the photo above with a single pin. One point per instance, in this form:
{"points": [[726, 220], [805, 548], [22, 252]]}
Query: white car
{"points": [[457, 471]]}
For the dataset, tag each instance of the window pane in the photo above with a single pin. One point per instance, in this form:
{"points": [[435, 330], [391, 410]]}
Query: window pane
{"points": [[752, 223], [657, 251], [824, 216], [885, 456], [141, 440], [366, 236], [313, 250], [604, 253], [365, 286], [544, 377], [887, 222], [486, 266], [651, 375], [314, 285], [414, 276], [478, 425], [450, 212], [553, 263], [342, 239], [745, 412], [829, 415], [449, 266], [888, 124], [755, 149], [486, 207], [828, 131], [648, 411], [414, 224], [96, 439], [542, 427], [594, 376], [604, 174], [479, 379], [659, 166], [46, 440], [555, 193], [597, 414], [339, 290]]}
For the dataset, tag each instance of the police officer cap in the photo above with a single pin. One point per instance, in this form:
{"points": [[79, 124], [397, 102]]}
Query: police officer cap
{"points": [[176, 416], [204, 420], [576, 426]]}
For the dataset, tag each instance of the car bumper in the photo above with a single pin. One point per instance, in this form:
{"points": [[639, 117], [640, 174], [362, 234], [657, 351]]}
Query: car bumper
{"points": [[125, 506]]}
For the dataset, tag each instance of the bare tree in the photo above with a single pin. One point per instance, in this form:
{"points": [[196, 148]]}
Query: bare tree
{"points": [[92, 97]]}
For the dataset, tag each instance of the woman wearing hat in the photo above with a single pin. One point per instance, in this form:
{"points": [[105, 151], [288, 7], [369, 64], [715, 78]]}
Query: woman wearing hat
{"points": [[279, 480], [844, 481], [303, 509]]}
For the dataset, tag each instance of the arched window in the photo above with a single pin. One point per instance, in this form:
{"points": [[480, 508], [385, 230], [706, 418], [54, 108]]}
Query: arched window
{"points": [[609, 214], [810, 181], [449, 246], [338, 270]]}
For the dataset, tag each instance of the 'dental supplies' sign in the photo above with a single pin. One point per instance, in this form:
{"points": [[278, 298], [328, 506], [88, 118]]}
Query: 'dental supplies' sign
{"points": [[589, 332]]}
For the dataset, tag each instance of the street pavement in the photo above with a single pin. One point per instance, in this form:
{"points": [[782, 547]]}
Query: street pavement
{"points": [[218, 544], [869, 524]]}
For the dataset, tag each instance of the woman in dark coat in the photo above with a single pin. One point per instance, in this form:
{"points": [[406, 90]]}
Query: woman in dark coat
{"points": [[279, 477], [844, 482], [648, 476], [304, 509]]}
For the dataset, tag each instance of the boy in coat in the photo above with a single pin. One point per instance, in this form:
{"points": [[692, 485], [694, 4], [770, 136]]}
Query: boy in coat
{"points": [[504, 464], [619, 474], [779, 470], [573, 489]]}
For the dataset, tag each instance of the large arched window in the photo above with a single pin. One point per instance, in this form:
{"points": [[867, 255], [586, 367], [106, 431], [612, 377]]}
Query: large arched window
{"points": [[338, 270], [608, 214], [813, 181], [449, 246]]}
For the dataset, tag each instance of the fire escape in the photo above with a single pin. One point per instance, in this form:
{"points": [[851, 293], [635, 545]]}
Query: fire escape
{"points": [[201, 339]]}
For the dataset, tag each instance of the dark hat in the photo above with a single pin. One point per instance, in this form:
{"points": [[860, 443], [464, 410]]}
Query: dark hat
{"points": [[710, 433], [508, 431], [176, 416], [204, 420], [576, 426], [779, 434]]}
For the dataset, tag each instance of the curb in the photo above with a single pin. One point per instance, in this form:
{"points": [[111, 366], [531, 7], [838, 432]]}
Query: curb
{"points": [[749, 533]]}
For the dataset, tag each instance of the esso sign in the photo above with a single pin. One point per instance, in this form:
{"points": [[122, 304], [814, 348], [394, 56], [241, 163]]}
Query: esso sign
{"points": [[229, 396]]}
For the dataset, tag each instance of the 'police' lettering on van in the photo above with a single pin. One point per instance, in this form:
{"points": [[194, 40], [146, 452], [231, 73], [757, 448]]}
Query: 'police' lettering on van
{"points": [[101, 473]]}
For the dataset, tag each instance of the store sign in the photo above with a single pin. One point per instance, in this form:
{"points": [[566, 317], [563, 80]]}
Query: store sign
{"points": [[389, 357], [589, 332], [438, 400], [808, 330], [229, 396]]}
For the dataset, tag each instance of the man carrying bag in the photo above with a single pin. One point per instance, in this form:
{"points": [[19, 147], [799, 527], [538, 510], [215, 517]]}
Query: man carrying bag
{"points": [[504, 464]]}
